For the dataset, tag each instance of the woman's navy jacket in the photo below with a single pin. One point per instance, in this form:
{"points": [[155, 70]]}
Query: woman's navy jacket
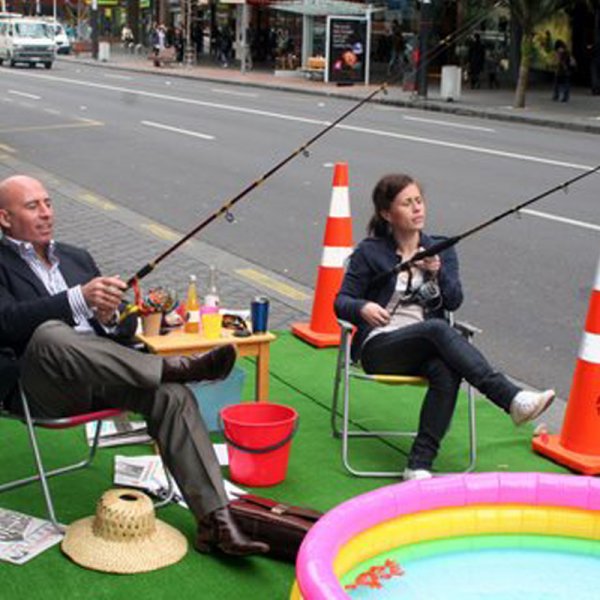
{"points": [[375, 256]]}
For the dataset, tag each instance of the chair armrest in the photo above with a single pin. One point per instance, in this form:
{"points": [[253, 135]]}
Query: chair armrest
{"points": [[345, 325], [466, 329]]}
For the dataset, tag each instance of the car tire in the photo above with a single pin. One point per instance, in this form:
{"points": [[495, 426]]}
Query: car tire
{"points": [[48, 65]]}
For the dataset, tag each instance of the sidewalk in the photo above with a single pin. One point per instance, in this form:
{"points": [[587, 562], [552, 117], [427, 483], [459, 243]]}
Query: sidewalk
{"points": [[581, 113]]}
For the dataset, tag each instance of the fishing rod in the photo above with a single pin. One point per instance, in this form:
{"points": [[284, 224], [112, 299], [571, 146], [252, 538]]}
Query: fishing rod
{"points": [[452, 241], [225, 209]]}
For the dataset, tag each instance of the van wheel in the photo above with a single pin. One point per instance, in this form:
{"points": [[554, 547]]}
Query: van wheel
{"points": [[1, 61], [12, 63], [48, 65]]}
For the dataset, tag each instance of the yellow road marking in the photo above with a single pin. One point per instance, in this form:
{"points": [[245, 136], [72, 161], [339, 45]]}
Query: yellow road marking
{"points": [[97, 201], [51, 127], [258, 277], [162, 232], [7, 148]]}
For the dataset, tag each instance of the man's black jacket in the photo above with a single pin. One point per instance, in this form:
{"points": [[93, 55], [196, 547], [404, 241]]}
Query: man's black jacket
{"points": [[25, 303]]}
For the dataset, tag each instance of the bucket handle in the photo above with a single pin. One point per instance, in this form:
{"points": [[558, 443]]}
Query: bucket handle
{"points": [[271, 448]]}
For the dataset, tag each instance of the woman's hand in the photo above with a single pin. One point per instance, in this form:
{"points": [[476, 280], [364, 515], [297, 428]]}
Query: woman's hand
{"points": [[374, 314], [431, 264]]}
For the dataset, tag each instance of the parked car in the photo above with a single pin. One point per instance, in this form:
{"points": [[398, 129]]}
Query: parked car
{"points": [[61, 39], [26, 40]]}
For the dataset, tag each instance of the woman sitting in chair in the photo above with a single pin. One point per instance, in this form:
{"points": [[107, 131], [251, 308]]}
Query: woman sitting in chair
{"points": [[401, 329]]}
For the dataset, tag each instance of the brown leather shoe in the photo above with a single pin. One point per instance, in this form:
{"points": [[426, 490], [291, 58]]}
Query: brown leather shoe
{"points": [[219, 530], [216, 364]]}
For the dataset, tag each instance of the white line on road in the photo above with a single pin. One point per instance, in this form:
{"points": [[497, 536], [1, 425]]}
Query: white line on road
{"points": [[52, 111], [24, 95], [257, 112], [222, 91], [177, 130], [115, 76], [477, 149], [449, 124], [550, 217]]}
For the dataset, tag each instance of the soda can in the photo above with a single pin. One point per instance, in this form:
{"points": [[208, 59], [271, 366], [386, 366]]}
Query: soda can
{"points": [[259, 313]]}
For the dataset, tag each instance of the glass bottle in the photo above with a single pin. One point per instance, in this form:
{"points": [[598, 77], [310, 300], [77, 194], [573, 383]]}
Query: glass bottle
{"points": [[211, 299], [192, 324]]}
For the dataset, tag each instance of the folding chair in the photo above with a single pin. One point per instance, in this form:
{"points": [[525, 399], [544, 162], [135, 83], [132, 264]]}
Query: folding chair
{"points": [[63, 423], [346, 371]]}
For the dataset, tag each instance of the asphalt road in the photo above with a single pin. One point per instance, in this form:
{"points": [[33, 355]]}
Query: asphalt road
{"points": [[175, 150]]}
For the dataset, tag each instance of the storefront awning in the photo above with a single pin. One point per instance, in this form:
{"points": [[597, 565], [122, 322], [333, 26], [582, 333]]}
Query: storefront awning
{"points": [[321, 8]]}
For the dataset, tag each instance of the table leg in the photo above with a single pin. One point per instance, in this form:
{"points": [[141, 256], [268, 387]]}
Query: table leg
{"points": [[262, 373]]}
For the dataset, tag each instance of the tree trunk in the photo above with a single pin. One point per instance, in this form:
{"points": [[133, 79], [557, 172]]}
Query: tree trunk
{"points": [[526, 51]]}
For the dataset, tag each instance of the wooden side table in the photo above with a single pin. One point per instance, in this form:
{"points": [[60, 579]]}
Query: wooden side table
{"points": [[178, 342]]}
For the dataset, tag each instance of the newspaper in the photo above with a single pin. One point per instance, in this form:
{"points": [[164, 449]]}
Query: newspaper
{"points": [[22, 537], [147, 473], [118, 432]]}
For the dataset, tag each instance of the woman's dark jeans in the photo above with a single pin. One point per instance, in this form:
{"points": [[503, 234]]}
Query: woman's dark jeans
{"points": [[437, 351]]}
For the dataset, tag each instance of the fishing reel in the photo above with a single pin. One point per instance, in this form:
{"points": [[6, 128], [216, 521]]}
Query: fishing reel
{"points": [[428, 295]]}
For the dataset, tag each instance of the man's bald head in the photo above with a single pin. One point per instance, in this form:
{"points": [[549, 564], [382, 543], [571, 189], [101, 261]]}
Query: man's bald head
{"points": [[26, 212]]}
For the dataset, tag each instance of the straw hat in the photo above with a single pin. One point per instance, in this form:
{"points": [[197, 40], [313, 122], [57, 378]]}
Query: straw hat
{"points": [[124, 536]]}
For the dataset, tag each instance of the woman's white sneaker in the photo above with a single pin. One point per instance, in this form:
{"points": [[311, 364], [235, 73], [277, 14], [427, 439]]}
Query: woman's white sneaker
{"points": [[526, 405], [410, 474]]}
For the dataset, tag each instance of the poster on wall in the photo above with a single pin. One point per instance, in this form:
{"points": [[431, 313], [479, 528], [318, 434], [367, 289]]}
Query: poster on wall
{"points": [[347, 50], [557, 27]]}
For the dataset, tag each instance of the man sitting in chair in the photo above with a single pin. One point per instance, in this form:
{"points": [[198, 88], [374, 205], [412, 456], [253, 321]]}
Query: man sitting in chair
{"points": [[400, 324], [57, 313]]}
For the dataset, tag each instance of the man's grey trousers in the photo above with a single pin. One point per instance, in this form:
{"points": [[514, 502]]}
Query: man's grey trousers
{"points": [[66, 373]]}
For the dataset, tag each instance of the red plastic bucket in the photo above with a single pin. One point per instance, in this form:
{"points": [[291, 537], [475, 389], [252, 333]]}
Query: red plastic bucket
{"points": [[258, 437]]}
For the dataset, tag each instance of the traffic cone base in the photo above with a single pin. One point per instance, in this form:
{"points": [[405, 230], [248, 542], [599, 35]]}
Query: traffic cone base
{"points": [[578, 445], [550, 446], [319, 340]]}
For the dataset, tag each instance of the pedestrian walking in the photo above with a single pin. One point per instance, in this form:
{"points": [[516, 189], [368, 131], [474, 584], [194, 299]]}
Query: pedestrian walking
{"points": [[179, 44], [476, 61], [562, 73]]}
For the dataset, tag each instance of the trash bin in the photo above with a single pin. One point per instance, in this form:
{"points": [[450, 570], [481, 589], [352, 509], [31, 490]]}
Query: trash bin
{"points": [[451, 83], [104, 51]]}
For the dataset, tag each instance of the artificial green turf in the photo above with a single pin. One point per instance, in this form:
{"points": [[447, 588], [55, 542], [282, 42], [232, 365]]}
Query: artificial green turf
{"points": [[302, 377]]}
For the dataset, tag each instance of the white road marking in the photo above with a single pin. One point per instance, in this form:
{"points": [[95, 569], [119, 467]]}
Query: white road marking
{"points": [[24, 95], [52, 111], [477, 149], [565, 220], [115, 76], [222, 91], [204, 136], [263, 113], [449, 124]]}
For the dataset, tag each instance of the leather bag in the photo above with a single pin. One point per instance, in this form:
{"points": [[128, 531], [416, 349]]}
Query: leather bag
{"points": [[280, 525]]}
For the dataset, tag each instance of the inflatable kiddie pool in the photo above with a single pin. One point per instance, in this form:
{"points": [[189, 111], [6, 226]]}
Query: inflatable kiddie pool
{"points": [[499, 535]]}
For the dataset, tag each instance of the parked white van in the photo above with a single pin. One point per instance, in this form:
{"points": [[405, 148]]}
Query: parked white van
{"points": [[26, 40]]}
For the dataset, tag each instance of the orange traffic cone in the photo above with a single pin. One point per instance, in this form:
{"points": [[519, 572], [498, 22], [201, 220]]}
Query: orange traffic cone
{"points": [[323, 330], [578, 446]]}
